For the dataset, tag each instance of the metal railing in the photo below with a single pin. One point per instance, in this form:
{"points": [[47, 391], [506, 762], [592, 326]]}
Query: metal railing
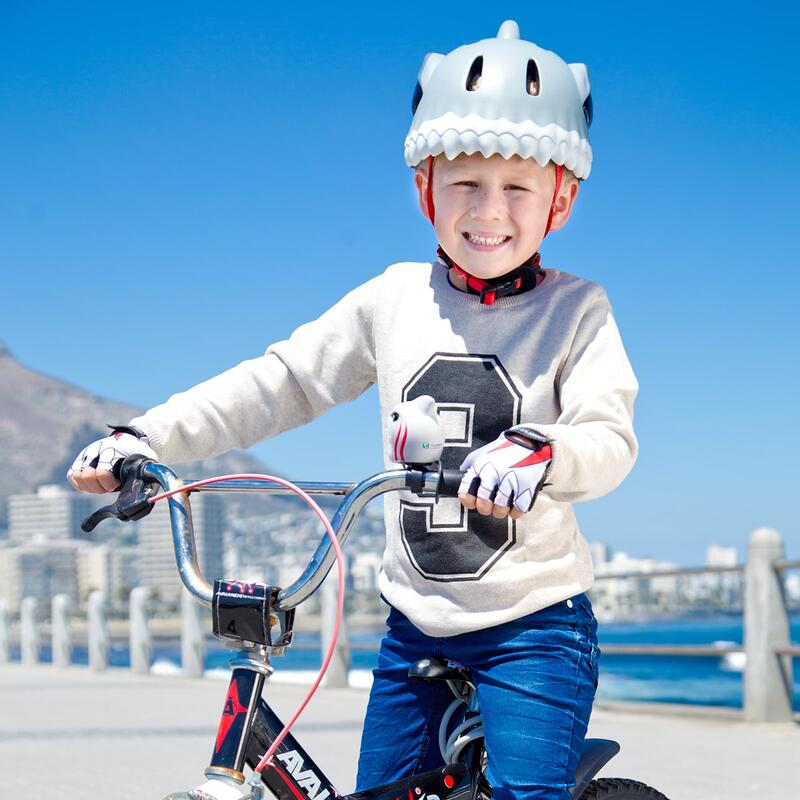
{"points": [[768, 680], [768, 649]]}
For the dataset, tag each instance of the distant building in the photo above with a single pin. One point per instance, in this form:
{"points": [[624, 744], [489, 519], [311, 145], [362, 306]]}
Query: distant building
{"points": [[636, 594], [53, 512], [123, 572], [157, 567], [40, 570], [600, 553], [364, 571], [286, 569], [92, 568], [720, 556], [112, 569], [47, 553], [721, 590]]}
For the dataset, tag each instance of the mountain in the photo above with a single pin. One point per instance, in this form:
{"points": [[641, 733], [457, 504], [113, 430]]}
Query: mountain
{"points": [[44, 423]]}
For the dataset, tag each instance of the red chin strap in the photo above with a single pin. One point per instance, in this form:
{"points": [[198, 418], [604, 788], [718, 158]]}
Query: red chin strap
{"points": [[478, 284], [429, 191]]}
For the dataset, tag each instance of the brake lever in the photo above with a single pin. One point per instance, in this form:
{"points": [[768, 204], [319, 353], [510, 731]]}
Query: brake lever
{"points": [[91, 522], [133, 500]]}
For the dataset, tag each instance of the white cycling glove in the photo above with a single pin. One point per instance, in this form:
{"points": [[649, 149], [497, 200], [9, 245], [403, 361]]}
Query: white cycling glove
{"points": [[105, 453], [506, 472]]}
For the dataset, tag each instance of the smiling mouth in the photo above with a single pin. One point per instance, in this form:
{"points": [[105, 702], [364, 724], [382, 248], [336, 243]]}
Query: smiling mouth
{"points": [[486, 241]]}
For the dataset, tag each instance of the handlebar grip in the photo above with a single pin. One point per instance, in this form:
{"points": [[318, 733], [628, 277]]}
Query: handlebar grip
{"points": [[130, 469], [134, 494], [449, 481]]}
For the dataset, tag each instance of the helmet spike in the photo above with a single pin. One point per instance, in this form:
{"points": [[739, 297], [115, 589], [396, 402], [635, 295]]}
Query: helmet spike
{"points": [[508, 30]]}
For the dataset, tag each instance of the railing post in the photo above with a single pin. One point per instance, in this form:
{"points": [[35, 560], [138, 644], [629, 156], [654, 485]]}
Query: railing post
{"points": [[59, 624], [193, 640], [5, 634], [29, 631], [98, 631], [337, 675], [139, 638], [768, 676]]}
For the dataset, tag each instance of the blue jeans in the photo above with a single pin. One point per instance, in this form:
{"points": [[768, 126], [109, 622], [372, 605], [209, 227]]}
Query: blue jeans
{"points": [[535, 678]]}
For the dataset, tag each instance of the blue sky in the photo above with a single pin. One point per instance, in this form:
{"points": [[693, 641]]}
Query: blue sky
{"points": [[184, 183]]}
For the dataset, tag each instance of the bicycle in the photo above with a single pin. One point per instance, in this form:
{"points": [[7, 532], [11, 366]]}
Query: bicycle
{"points": [[258, 618]]}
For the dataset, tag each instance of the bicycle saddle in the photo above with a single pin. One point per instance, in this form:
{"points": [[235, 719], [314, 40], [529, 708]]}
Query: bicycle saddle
{"points": [[439, 669]]}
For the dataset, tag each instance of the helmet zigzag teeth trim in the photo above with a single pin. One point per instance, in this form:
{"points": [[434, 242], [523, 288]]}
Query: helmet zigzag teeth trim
{"points": [[454, 135]]}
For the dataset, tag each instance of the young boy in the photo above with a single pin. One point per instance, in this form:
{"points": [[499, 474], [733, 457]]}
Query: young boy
{"points": [[534, 390]]}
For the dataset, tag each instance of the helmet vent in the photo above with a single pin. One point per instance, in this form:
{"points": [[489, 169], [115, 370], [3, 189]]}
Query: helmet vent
{"points": [[532, 78], [416, 98], [588, 110], [474, 76]]}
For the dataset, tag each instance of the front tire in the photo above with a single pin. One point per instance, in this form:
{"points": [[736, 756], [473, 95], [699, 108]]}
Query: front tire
{"points": [[620, 789]]}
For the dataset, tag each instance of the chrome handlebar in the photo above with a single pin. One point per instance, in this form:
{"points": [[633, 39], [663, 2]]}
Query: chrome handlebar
{"points": [[423, 482]]}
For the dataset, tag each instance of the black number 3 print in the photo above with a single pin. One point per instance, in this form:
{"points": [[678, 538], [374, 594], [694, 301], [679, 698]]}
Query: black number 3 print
{"points": [[476, 400]]}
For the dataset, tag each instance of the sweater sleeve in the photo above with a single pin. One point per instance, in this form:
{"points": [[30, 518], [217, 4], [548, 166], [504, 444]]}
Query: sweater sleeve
{"points": [[328, 361], [592, 440]]}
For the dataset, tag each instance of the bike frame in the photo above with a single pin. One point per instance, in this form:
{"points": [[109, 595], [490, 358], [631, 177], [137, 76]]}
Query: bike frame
{"points": [[294, 775]]}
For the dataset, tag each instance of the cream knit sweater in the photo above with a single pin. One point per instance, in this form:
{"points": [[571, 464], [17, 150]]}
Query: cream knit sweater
{"points": [[550, 358]]}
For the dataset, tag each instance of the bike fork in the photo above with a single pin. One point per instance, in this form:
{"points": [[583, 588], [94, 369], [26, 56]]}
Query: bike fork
{"points": [[225, 775], [250, 670]]}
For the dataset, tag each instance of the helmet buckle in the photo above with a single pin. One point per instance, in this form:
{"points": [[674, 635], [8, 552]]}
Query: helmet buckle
{"points": [[491, 292]]}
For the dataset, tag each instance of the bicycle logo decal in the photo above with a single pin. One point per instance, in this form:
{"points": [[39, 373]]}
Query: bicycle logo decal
{"points": [[245, 587], [306, 779], [232, 710]]}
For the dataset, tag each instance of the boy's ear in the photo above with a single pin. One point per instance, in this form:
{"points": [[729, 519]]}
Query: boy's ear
{"points": [[564, 203], [421, 182]]}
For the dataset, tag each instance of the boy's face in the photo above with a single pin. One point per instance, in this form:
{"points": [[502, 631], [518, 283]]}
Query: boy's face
{"points": [[491, 213]]}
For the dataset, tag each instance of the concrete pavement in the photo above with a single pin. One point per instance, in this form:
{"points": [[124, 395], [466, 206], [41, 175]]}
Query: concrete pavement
{"points": [[70, 733]]}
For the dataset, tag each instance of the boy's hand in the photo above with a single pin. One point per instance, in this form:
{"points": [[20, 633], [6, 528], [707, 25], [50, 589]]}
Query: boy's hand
{"points": [[92, 470], [503, 477]]}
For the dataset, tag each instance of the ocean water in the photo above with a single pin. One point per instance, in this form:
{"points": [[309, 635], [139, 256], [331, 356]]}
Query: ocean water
{"points": [[694, 680]]}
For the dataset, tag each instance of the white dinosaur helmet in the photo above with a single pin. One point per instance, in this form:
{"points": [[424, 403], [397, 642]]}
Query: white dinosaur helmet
{"points": [[502, 95]]}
